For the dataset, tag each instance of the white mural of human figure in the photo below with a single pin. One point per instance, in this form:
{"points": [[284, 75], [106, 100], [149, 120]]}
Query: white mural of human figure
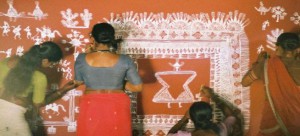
{"points": [[260, 49], [5, 29], [37, 13], [16, 31], [65, 68], [7, 52], [45, 33], [262, 9], [20, 51], [12, 13], [28, 32], [38, 40], [51, 34], [265, 24]]}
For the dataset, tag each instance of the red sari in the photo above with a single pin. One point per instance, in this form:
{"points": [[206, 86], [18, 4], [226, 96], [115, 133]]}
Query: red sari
{"points": [[286, 98], [104, 115]]}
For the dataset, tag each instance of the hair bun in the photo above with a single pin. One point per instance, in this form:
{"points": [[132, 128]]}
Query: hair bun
{"points": [[288, 41], [105, 37]]}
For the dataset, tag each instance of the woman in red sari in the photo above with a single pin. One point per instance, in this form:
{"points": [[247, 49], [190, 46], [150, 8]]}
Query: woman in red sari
{"points": [[281, 75], [105, 107]]}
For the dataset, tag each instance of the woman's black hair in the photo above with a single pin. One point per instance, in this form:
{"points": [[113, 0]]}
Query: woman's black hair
{"points": [[19, 77], [288, 41], [105, 33], [201, 115]]}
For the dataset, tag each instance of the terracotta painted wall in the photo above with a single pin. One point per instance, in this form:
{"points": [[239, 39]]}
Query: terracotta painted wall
{"points": [[258, 31]]}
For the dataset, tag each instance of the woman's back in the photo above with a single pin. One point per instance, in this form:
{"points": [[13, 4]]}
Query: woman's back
{"points": [[102, 59], [105, 73]]}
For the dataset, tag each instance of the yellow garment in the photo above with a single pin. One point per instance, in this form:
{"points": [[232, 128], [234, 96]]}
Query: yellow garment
{"points": [[38, 83]]}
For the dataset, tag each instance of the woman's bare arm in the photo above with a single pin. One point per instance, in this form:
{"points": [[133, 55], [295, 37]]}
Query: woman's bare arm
{"points": [[256, 70]]}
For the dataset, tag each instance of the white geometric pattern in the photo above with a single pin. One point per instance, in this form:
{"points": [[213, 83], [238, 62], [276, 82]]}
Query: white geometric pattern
{"points": [[217, 36]]}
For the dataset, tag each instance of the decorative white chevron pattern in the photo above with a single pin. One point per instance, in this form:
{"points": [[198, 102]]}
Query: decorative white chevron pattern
{"points": [[217, 36]]}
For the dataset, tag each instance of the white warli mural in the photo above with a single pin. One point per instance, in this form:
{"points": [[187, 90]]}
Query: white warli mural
{"points": [[5, 28], [20, 51], [44, 33], [6, 52], [260, 49], [265, 25], [272, 38], [217, 36], [164, 95], [69, 18], [262, 9], [296, 18], [54, 110], [77, 41], [278, 13], [13, 14]]}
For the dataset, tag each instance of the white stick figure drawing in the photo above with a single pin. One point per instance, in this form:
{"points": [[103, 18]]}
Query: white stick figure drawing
{"points": [[12, 13], [28, 32], [37, 13], [260, 49], [262, 9], [7, 52], [67, 71], [46, 32], [37, 40], [265, 24], [51, 35], [16, 31], [5, 29], [20, 50]]}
